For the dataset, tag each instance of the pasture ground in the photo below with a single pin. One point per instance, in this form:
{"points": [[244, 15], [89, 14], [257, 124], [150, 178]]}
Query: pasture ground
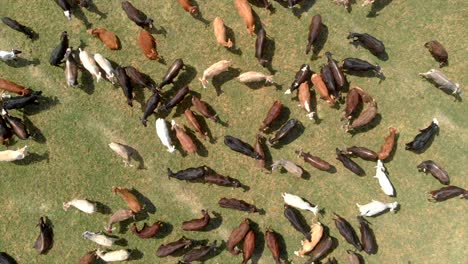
{"points": [[70, 157]]}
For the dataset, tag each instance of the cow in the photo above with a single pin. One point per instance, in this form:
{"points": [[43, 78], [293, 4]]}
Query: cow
{"points": [[376, 207], [71, 68], [438, 52], [147, 231], [251, 76], [82, 205], [236, 236], [248, 246], [106, 66], [384, 182], [214, 70], [163, 134], [45, 239], [171, 73], [111, 256], [129, 198], [303, 75], [137, 16], [148, 45], [317, 231], [284, 130], [193, 10], [220, 33], [299, 203], [184, 139], [12, 155], [347, 231], [273, 245], [90, 64], [9, 55], [197, 224], [58, 54], [108, 38], [314, 31], [100, 239], [369, 42], [65, 7], [245, 11]]}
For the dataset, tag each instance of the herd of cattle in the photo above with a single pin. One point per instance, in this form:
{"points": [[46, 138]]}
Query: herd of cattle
{"points": [[360, 110]]}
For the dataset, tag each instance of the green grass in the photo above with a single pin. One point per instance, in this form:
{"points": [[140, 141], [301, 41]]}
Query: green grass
{"points": [[73, 160]]}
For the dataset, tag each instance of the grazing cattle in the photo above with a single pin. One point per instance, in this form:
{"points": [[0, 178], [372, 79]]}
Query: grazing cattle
{"points": [[193, 10], [260, 43], [259, 149], [236, 204], [251, 76], [13, 87], [82, 205], [150, 106], [376, 207], [147, 231], [129, 198], [448, 192], [9, 55], [314, 31], [176, 99], [353, 100], [358, 65], [118, 216], [273, 245], [45, 239], [344, 3], [148, 45], [297, 221], [190, 116], [289, 166], [185, 140], [248, 246], [12, 155], [220, 33], [240, 146], [284, 130], [236, 236], [200, 253], [303, 94], [16, 125], [163, 134], [308, 245], [100, 239], [6, 133], [369, 245], [19, 102], [171, 73], [18, 27], [58, 54], [442, 82], [314, 161], [88, 258], [125, 83], [349, 163], [338, 76], [65, 7], [214, 178], [303, 75], [112, 256], [272, 115], [436, 171], [106, 66], [299, 203], [322, 89], [425, 136], [71, 68], [202, 108], [369, 42], [123, 151], [364, 118], [165, 250], [245, 11], [139, 79], [384, 182], [189, 174], [108, 38], [327, 77], [352, 257], [438, 52], [197, 224], [321, 250], [214, 70], [363, 153], [388, 145], [347, 231], [137, 16], [90, 64]]}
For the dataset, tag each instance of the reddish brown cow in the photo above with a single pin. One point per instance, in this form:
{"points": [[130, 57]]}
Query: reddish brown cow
{"points": [[148, 45], [245, 11], [188, 7], [13, 87], [108, 38]]}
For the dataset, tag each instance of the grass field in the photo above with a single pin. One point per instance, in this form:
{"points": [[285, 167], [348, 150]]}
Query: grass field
{"points": [[70, 157]]}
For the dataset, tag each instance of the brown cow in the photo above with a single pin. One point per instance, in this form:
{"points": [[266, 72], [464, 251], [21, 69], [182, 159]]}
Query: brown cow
{"points": [[185, 140], [245, 11], [388, 145], [13, 87], [188, 7], [129, 198], [148, 45], [322, 89], [108, 38]]}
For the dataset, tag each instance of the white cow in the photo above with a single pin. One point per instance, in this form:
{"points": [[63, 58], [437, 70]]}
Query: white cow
{"points": [[214, 70], [376, 207], [100, 239], [384, 182], [298, 202], [12, 155], [111, 256], [163, 134], [123, 151], [90, 64], [8, 55], [106, 66], [82, 205]]}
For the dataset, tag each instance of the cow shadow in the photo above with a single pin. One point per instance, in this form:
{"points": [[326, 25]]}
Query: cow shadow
{"points": [[320, 42], [135, 254], [22, 62], [282, 118], [137, 157], [80, 15], [204, 124], [215, 222], [224, 77], [94, 9], [45, 103], [186, 76], [283, 247], [102, 208], [377, 6], [257, 85], [123, 225], [232, 36], [269, 53], [375, 122], [199, 15], [296, 132], [139, 96], [367, 74], [87, 82], [165, 230], [161, 31], [32, 158], [36, 133], [201, 149], [304, 7], [147, 204]]}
